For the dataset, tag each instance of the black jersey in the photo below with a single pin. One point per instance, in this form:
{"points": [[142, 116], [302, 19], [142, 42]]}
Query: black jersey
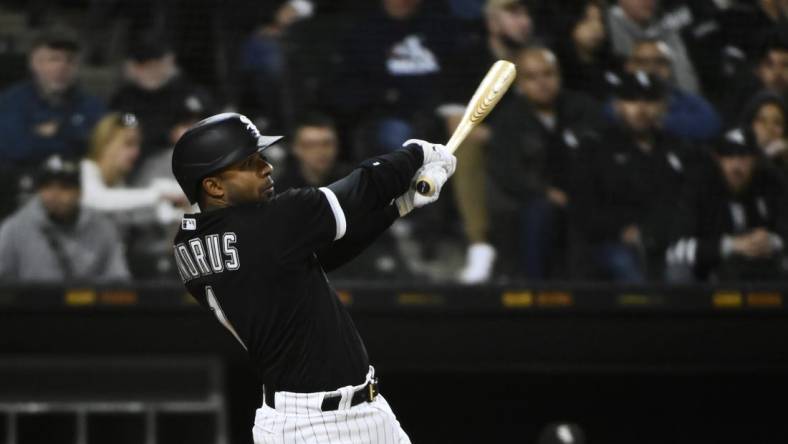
{"points": [[260, 269]]}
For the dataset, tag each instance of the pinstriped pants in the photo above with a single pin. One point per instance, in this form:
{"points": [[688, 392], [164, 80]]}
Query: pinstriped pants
{"points": [[298, 419]]}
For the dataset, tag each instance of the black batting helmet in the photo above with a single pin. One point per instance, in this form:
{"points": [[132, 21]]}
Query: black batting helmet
{"points": [[212, 144]]}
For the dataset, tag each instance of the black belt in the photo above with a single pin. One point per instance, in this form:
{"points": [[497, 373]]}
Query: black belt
{"points": [[368, 393]]}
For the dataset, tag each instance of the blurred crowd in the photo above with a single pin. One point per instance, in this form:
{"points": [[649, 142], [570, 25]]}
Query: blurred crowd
{"points": [[642, 140]]}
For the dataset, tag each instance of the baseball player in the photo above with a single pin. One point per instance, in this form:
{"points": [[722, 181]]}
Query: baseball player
{"points": [[257, 260]]}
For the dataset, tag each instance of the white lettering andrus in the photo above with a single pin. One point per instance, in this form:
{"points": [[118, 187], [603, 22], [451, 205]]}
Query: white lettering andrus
{"points": [[203, 256]]}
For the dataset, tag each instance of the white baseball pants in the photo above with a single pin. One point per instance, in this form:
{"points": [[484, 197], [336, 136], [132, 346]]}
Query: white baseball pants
{"points": [[298, 419]]}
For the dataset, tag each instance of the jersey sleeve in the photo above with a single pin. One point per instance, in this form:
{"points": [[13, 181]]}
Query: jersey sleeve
{"points": [[306, 220], [359, 236]]}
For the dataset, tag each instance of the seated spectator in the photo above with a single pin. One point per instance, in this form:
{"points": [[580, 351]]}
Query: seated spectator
{"points": [[769, 73], [393, 63], [114, 149], [634, 20], [48, 114], [154, 87], [689, 116], [534, 136], [747, 25], [630, 173], [262, 55], [158, 166], [583, 48], [313, 163], [53, 238], [510, 27], [314, 155], [150, 254], [766, 115], [699, 23], [732, 223]]}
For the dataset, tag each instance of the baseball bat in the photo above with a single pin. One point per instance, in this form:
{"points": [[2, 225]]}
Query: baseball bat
{"points": [[487, 95]]}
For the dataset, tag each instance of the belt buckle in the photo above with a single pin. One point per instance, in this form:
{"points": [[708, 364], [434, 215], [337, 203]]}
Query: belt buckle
{"points": [[372, 389]]}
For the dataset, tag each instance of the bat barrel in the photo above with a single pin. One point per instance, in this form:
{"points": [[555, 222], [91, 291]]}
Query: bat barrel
{"points": [[487, 95]]}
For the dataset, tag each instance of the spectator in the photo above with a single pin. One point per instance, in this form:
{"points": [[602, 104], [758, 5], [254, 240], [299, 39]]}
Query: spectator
{"points": [[150, 254], [747, 25], [689, 116], [583, 48], [153, 88], [114, 149], [534, 136], [158, 166], [509, 28], [635, 20], [631, 172], [262, 58], [393, 65], [701, 29], [54, 238], [314, 164], [766, 116], [314, 155], [732, 224], [770, 73], [48, 114]]}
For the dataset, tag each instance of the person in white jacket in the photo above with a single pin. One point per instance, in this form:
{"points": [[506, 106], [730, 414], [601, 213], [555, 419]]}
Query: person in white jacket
{"points": [[114, 150]]}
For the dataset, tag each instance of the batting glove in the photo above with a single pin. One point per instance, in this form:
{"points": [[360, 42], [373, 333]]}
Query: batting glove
{"points": [[434, 153], [438, 175]]}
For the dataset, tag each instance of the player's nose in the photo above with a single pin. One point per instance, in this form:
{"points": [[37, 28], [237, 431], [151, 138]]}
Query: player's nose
{"points": [[264, 168]]}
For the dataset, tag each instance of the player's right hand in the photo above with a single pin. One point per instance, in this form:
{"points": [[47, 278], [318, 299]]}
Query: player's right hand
{"points": [[437, 174], [435, 153]]}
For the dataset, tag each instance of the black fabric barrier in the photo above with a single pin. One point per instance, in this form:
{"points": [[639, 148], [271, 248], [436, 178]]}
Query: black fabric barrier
{"points": [[482, 364]]}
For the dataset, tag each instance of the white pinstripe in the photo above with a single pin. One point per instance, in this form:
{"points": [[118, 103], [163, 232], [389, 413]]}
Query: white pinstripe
{"points": [[298, 419]]}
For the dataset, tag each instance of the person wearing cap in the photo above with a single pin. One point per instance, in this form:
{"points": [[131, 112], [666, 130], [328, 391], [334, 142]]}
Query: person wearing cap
{"points": [[688, 116], [732, 222], [533, 140], [153, 87], [628, 174], [53, 238], [48, 114], [257, 260]]}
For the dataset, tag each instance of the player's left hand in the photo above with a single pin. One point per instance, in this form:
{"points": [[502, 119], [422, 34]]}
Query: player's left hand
{"points": [[438, 174]]}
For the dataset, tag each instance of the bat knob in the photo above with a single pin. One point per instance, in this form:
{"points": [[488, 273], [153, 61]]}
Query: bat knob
{"points": [[424, 187]]}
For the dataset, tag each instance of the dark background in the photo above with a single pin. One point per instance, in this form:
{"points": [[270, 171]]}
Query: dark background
{"points": [[459, 365]]}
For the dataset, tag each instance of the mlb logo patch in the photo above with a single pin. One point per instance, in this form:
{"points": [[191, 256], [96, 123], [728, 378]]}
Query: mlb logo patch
{"points": [[188, 224]]}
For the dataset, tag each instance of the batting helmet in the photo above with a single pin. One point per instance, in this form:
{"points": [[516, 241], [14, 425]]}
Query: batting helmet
{"points": [[212, 144]]}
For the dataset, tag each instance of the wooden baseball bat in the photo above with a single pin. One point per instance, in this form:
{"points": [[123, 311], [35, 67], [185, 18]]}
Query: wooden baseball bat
{"points": [[487, 95]]}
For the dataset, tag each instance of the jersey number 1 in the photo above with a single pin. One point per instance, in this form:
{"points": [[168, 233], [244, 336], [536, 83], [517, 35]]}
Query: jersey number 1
{"points": [[217, 310]]}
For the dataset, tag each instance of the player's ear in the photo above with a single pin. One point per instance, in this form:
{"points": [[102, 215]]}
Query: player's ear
{"points": [[212, 187]]}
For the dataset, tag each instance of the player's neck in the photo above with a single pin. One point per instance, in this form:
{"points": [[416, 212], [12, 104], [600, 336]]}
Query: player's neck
{"points": [[213, 204]]}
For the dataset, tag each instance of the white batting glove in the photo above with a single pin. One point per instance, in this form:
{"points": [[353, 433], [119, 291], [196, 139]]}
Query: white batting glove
{"points": [[438, 175], [434, 153]]}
